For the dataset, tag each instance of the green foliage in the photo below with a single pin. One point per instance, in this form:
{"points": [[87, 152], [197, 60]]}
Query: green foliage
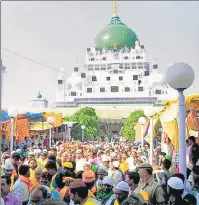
{"points": [[88, 117], [128, 131]]}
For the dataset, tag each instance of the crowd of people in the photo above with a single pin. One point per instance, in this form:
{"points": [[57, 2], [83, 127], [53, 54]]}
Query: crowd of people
{"points": [[92, 173]]}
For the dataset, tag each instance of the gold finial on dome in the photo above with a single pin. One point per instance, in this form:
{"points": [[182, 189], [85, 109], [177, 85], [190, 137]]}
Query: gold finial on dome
{"points": [[115, 12]]}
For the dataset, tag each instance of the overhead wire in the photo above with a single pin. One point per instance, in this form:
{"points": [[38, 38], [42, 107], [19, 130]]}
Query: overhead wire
{"points": [[29, 59]]}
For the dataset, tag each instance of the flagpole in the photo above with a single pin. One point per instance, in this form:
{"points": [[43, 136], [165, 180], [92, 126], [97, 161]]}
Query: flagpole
{"points": [[1, 68]]}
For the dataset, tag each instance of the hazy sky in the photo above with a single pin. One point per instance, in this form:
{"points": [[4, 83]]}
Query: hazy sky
{"points": [[58, 33]]}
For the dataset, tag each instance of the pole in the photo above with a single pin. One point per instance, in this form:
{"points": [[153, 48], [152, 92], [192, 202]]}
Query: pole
{"points": [[182, 134], [142, 132], [50, 138], [11, 134], [1, 67], [69, 133], [151, 141], [82, 135]]}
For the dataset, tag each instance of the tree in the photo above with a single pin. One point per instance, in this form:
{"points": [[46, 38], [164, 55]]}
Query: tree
{"points": [[88, 117], [128, 131]]}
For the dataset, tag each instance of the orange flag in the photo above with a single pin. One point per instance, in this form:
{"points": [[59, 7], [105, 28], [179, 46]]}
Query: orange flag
{"points": [[22, 129]]}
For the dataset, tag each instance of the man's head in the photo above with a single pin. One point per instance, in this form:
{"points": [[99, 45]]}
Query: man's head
{"points": [[38, 172], [122, 191], [15, 158], [108, 183], [162, 155], [65, 157], [132, 178], [79, 154], [102, 172], [5, 185], [78, 191], [8, 168], [192, 140], [24, 171], [145, 171], [51, 167], [119, 157], [105, 161], [38, 194], [45, 179]]}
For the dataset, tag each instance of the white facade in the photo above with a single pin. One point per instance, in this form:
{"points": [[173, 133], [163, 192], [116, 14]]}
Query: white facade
{"points": [[113, 76]]}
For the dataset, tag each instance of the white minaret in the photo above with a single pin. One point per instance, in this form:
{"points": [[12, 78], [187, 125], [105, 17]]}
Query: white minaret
{"points": [[60, 96]]}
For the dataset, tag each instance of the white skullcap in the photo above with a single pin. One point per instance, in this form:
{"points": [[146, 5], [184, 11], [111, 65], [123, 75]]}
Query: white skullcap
{"points": [[103, 168], [108, 180], [37, 151], [87, 163], [113, 154], [116, 164], [176, 183], [78, 151], [30, 153], [123, 186], [105, 158], [91, 161], [8, 160], [8, 166]]}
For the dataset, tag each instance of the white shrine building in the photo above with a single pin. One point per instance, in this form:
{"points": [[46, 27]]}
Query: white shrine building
{"points": [[116, 71], [116, 79]]}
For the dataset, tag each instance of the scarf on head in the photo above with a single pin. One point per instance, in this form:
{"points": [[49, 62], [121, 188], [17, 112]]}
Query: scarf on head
{"points": [[102, 196], [27, 181]]}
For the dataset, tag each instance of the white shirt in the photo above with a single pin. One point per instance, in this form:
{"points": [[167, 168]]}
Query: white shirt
{"points": [[131, 164], [2, 201], [79, 164]]}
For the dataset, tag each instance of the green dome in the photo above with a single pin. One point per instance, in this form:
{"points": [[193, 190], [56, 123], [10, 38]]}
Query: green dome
{"points": [[115, 35]]}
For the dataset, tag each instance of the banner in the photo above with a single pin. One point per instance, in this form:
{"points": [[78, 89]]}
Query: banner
{"points": [[5, 128], [21, 129], [40, 126]]}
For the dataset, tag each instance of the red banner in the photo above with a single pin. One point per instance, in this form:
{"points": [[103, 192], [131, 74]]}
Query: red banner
{"points": [[21, 129]]}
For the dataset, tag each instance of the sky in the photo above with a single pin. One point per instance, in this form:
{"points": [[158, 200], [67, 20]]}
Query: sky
{"points": [[57, 33]]}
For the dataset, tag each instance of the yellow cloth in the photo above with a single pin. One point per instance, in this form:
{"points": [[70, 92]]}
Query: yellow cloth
{"points": [[124, 166], [12, 182], [91, 195], [145, 195], [38, 162], [51, 186], [90, 202], [43, 164], [116, 202], [171, 129], [33, 178]]}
